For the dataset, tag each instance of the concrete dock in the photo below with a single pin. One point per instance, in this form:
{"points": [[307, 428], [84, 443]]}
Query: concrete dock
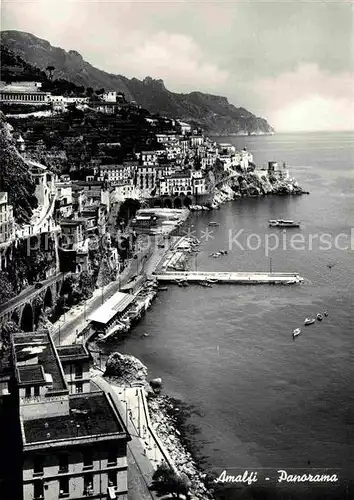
{"points": [[239, 278]]}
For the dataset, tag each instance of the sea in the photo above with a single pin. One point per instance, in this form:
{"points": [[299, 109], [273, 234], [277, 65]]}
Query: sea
{"points": [[255, 399]]}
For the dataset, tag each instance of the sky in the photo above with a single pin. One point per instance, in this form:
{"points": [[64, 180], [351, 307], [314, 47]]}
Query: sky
{"points": [[291, 62]]}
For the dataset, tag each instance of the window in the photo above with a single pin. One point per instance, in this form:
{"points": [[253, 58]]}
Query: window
{"points": [[87, 459], [63, 487], [36, 390], [38, 490], [38, 464], [63, 463], [28, 392], [112, 457], [112, 478], [88, 484], [79, 387]]}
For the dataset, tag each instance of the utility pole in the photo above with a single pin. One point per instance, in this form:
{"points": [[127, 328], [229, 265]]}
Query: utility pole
{"points": [[59, 332], [270, 265]]}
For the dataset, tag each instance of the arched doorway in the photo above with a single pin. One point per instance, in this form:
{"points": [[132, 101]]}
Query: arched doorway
{"points": [[27, 318], [177, 203], [167, 203], [187, 202]]}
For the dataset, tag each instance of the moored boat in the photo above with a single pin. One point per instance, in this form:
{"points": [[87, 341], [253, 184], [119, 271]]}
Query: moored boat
{"points": [[319, 317], [205, 284], [213, 223], [309, 321], [325, 314], [283, 223], [296, 333]]}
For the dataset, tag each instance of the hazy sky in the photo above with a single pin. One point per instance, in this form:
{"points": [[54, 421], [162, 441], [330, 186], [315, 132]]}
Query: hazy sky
{"points": [[289, 61]]}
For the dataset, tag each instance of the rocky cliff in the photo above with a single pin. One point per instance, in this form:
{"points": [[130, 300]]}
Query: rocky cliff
{"points": [[14, 176], [213, 113]]}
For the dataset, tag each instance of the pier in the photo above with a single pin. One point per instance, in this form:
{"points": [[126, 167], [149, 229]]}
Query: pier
{"points": [[238, 278]]}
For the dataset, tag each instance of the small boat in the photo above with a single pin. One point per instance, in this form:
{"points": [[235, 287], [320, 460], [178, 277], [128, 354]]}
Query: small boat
{"points": [[319, 317], [309, 321], [283, 223], [211, 280], [205, 284], [296, 333], [211, 223], [162, 288], [185, 283], [325, 314], [178, 282]]}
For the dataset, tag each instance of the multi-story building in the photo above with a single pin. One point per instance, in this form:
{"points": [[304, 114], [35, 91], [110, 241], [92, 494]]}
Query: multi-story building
{"points": [[114, 173], [73, 441], [146, 177], [177, 184], [75, 361], [24, 93], [7, 222], [196, 140], [44, 180], [64, 199]]}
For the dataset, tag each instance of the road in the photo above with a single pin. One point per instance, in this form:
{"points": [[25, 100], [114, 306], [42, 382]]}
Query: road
{"points": [[66, 328]]}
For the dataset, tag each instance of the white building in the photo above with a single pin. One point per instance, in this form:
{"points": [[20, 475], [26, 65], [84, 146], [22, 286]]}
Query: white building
{"points": [[179, 183], [23, 93], [7, 223], [110, 96]]}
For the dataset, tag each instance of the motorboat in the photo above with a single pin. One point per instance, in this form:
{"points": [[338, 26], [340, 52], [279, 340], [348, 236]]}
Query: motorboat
{"points": [[211, 280], [213, 223], [162, 289], [185, 283], [319, 317], [325, 314], [296, 333], [309, 321], [283, 223]]}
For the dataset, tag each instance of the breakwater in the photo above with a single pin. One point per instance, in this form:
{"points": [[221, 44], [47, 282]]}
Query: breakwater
{"points": [[241, 278]]}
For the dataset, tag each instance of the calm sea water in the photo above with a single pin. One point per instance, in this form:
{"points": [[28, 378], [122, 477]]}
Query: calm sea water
{"points": [[264, 402]]}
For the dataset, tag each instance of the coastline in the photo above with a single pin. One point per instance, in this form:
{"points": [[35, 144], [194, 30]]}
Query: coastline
{"points": [[156, 420]]}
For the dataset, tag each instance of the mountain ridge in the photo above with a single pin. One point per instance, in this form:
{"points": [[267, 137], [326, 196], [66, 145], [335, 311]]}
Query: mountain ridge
{"points": [[211, 112]]}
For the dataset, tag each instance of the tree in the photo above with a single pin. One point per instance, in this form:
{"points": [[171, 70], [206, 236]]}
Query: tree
{"points": [[6, 290], [50, 70], [166, 480], [128, 209]]}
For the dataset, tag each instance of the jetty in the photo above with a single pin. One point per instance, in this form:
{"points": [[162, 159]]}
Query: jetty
{"points": [[237, 278]]}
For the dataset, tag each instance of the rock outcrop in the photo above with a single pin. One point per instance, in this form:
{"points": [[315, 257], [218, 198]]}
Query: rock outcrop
{"points": [[126, 369], [255, 184]]}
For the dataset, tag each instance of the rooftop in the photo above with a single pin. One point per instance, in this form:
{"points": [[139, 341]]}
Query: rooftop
{"points": [[69, 353], [36, 349], [90, 414], [116, 304], [29, 375]]}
